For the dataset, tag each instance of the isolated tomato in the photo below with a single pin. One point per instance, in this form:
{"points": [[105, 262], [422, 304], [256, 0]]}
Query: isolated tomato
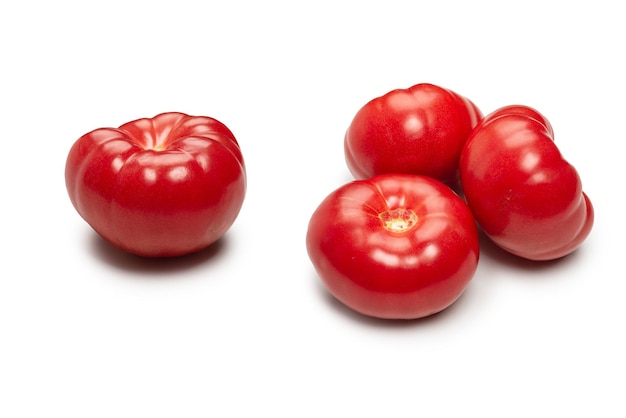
{"points": [[158, 187], [395, 246], [526, 197], [419, 130]]}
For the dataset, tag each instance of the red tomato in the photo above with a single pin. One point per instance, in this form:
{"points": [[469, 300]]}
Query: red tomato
{"points": [[526, 197], [159, 187], [396, 246], [419, 130]]}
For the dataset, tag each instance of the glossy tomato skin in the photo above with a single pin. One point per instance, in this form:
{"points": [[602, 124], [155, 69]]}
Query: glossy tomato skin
{"points": [[419, 130], [525, 196], [158, 187], [395, 246]]}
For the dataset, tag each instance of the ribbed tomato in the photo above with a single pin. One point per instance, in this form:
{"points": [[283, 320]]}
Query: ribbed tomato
{"points": [[158, 187], [525, 196]]}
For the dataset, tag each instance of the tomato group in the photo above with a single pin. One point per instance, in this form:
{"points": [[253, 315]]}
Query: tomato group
{"points": [[525, 196], [158, 187], [419, 130], [396, 246], [398, 242]]}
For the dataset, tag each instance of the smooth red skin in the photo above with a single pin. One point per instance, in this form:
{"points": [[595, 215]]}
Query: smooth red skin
{"points": [[391, 275], [160, 187], [525, 196], [419, 130]]}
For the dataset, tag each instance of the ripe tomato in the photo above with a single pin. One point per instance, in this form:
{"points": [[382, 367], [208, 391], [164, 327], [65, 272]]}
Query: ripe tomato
{"points": [[158, 187], [395, 246], [526, 197], [419, 130]]}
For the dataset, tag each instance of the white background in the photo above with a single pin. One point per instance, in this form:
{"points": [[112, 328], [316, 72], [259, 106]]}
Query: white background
{"points": [[245, 328]]}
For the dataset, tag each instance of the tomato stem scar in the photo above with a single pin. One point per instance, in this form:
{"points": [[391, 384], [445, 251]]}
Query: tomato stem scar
{"points": [[398, 220]]}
